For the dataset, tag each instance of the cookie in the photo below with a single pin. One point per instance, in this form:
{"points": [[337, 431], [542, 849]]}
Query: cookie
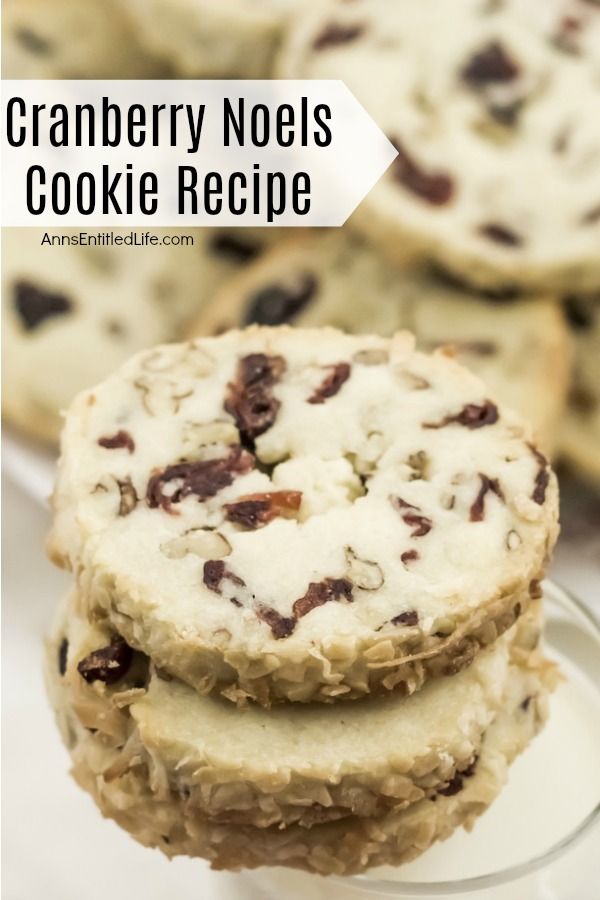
{"points": [[72, 314], [203, 39], [133, 788], [580, 433], [304, 763], [495, 130], [71, 39], [520, 347], [301, 514]]}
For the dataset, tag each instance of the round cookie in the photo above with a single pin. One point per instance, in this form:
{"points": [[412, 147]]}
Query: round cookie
{"points": [[204, 39], [301, 514], [580, 433], [520, 347], [135, 791], [495, 130], [72, 314], [71, 39], [304, 763]]}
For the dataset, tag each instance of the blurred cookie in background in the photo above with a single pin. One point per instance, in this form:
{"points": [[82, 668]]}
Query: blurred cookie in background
{"points": [[72, 314], [72, 39], [207, 39], [497, 174], [520, 347], [580, 434]]}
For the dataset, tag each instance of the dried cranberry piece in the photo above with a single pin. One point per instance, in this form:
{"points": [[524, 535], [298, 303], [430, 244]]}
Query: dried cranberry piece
{"points": [[542, 477], [120, 440], [33, 42], [336, 33], [63, 652], [501, 234], [277, 304], [491, 65], [471, 416], [107, 664], [234, 247], [255, 510], [580, 311], [203, 478], [454, 786], [410, 617], [524, 705], [420, 524], [488, 485], [321, 592], [409, 556], [281, 626], [250, 399], [215, 572], [435, 188], [339, 373], [34, 304]]}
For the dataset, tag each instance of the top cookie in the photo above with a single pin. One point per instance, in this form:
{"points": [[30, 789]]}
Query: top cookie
{"points": [[301, 514], [495, 129]]}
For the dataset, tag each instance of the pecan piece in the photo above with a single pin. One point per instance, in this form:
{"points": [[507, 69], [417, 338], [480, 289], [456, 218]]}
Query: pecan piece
{"points": [[215, 572], [321, 592], [128, 497], [203, 478], [477, 511], [255, 510], [435, 188], [281, 302], [120, 440], [34, 304], [107, 664], [471, 416], [250, 398], [329, 387]]}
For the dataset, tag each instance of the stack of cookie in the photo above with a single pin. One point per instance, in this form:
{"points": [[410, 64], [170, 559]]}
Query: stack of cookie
{"points": [[305, 619]]}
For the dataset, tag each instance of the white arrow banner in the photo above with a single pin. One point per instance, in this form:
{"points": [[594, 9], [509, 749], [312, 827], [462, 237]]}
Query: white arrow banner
{"points": [[166, 153]]}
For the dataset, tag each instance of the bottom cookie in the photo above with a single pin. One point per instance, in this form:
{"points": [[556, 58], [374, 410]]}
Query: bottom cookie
{"points": [[140, 799]]}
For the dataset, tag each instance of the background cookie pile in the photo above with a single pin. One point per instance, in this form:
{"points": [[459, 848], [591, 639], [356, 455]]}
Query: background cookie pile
{"points": [[304, 628], [483, 234]]}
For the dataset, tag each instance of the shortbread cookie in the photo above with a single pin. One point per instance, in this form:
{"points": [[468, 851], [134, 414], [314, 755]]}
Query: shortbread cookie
{"points": [[204, 39], [495, 129], [72, 39], [309, 763], [519, 347], [134, 789], [301, 514], [72, 314], [580, 434]]}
